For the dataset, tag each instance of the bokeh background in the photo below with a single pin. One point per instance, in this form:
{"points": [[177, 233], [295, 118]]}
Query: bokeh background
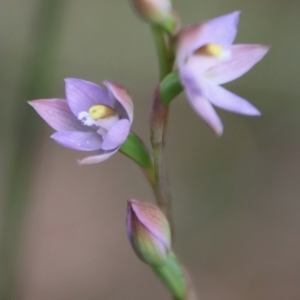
{"points": [[236, 198]]}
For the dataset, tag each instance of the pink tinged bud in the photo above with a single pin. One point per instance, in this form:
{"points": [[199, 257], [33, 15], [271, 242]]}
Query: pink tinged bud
{"points": [[149, 232], [156, 12]]}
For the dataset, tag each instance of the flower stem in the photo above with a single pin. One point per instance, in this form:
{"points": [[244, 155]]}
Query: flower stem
{"points": [[158, 127], [164, 60]]}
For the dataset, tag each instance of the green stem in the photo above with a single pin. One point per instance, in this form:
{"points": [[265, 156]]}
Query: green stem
{"points": [[22, 134], [158, 126], [165, 64], [174, 277]]}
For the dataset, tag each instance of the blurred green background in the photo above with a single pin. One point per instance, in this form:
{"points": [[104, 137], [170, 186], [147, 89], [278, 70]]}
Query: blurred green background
{"points": [[236, 198]]}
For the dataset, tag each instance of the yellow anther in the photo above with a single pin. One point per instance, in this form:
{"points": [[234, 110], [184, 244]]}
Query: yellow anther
{"points": [[211, 50], [101, 111]]}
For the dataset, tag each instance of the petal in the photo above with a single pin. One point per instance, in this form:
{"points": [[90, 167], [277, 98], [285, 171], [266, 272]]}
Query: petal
{"points": [[190, 80], [81, 95], [57, 114], [243, 58], [205, 110], [224, 99], [94, 159], [122, 96], [84, 141], [197, 65], [117, 135], [221, 30]]}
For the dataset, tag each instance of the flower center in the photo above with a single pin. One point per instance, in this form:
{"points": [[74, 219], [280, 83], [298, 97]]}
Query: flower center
{"points": [[100, 111], [101, 116], [210, 50]]}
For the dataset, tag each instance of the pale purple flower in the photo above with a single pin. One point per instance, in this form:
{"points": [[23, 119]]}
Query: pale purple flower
{"points": [[206, 58], [91, 118]]}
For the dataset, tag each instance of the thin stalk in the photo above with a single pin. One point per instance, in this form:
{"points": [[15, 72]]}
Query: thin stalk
{"points": [[164, 61], [22, 136], [158, 127]]}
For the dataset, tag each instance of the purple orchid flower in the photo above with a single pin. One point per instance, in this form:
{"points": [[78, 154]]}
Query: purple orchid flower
{"points": [[206, 58], [90, 118]]}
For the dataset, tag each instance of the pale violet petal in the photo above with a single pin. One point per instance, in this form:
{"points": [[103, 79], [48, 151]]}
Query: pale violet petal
{"points": [[221, 30], [190, 80], [197, 65], [117, 135], [57, 114], [224, 99], [205, 110], [84, 141], [94, 159], [122, 96], [82, 94], [242, 59], [107, 123]]}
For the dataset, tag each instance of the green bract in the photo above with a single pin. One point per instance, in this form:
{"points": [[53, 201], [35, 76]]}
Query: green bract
{"points": [[170, 87], [135, 149]]}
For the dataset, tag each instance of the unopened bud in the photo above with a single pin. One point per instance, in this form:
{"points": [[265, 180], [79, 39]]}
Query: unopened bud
{"points": [[157, 12], [149, 232]]}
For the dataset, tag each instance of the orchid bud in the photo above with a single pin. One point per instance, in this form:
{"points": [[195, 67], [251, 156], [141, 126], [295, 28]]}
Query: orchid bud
{"points": [[157, 12], [149, 232]]}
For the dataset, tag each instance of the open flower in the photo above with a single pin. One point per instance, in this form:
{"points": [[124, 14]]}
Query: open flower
{"points": [[206, 58], [90, 118]]}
